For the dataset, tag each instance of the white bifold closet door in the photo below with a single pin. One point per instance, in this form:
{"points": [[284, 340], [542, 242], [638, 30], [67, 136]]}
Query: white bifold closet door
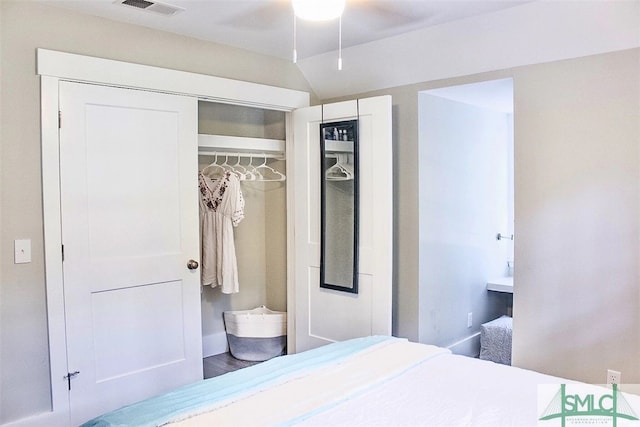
{"points": [[324, 315], [128, 162]]}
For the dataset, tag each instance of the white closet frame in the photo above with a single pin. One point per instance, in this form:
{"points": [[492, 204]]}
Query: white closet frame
{"points": [[53, 67]]}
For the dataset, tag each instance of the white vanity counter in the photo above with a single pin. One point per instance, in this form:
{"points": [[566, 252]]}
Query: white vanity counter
{"points": [[500, 284]]}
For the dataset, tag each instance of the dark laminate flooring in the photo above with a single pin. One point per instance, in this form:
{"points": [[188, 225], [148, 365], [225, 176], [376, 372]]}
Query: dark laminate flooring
{"points": [[223, 363]]}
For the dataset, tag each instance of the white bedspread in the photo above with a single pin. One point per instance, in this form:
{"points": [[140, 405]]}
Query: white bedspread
{"points": [[395, 384], [318, 390], [445, 391], [372, 381]]}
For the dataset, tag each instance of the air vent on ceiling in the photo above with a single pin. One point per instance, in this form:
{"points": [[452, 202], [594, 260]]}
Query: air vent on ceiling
{"points": [[152, 6]]}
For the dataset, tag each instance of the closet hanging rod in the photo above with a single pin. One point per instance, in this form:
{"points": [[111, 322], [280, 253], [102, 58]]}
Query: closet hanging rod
{"points": [[254, 154]]}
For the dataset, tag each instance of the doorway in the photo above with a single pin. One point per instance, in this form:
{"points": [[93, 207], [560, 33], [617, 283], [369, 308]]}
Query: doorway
{"points": [[466, 200]]}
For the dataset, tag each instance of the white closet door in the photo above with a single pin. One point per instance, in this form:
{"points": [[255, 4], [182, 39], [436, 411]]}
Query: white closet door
{"points": [[128, 162], [323, 315]]}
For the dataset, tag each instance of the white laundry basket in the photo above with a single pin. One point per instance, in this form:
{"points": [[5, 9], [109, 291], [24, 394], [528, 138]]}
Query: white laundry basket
{"points": [[257, 334]]}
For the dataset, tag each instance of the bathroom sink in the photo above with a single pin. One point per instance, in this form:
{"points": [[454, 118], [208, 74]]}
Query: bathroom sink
{"points": [[500, 284]]}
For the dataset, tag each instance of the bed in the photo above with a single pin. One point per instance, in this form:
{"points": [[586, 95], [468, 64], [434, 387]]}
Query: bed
{"points": [[362, 382]]}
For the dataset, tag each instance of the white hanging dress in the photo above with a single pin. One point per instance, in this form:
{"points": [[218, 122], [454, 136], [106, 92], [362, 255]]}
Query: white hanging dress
{"points": [[221, 209]]}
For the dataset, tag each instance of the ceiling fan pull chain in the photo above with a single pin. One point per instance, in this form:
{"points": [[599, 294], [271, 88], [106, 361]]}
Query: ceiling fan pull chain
{"points": [[295, 50], [340, 45]]}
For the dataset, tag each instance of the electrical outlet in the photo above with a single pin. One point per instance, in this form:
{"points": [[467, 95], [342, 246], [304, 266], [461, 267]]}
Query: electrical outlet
{"points": [[613, 377], [469, 320]]}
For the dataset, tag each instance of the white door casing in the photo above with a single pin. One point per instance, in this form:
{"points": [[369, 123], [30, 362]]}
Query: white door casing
{"points": [[129, 226], [322, 315], [54, 67]]}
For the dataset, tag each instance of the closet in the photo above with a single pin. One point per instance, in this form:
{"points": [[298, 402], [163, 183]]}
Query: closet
{"points": [[74, 376], [242, 124], [250, 141]]}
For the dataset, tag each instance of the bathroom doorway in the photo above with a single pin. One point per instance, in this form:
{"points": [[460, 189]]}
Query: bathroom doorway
{"points": [[466, 204]]}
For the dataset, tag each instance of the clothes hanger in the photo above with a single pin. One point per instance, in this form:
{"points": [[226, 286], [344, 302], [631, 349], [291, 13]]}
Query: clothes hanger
{"points": [[213, 164], [338, 172], [279, 176], [231, 169], [239, 169], [256, 173], [225, 165], [348, 164]]}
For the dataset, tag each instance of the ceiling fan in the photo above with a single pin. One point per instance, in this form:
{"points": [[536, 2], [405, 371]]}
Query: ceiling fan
{"points": [[304, 15], [377, 14]]}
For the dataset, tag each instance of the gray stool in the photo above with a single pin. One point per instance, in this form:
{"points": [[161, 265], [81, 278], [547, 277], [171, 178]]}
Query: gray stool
{"points": [[495, 340]]}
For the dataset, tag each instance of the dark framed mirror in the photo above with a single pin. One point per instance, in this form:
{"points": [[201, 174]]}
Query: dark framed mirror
{"points": [[339, 202]]}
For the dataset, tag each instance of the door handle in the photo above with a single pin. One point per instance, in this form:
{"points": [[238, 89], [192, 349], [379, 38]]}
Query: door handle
{"points": [[192, 264]]}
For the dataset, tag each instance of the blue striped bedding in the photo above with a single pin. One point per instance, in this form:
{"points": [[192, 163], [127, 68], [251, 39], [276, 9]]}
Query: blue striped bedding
{"points": [[196, 397]]}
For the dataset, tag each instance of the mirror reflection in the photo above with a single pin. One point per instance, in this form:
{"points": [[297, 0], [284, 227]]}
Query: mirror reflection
{"points": [[339, 206]]}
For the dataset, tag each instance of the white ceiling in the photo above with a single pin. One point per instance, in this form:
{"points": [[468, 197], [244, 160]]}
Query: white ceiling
{"points": [[266, 26], [394, 43]]}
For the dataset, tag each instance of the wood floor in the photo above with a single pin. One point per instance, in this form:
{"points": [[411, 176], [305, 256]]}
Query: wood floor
{"points": [[223, 363]]}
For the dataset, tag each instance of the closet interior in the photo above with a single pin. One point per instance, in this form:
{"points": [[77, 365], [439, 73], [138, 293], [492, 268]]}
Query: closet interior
{"points": [[251, 142]]}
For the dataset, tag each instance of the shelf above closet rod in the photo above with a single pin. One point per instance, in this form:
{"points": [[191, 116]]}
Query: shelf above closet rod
{"points": [[246, 154], [237, 144]]}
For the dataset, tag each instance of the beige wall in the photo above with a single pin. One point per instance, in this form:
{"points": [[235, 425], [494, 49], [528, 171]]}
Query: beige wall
{"points": [[577, 213], [577, 140], [25, 26]]}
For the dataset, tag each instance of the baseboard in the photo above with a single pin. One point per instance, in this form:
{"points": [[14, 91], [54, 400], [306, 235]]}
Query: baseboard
{"points": [[214, 344], [57, 419], [469, 346]]}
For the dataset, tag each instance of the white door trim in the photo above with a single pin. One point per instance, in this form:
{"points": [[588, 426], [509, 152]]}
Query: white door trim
{"points": [[55, 66], [80, 68], [52, 220]]}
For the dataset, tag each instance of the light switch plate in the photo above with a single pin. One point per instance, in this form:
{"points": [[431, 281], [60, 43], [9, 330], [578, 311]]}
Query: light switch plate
{"points": [[22, 251]]}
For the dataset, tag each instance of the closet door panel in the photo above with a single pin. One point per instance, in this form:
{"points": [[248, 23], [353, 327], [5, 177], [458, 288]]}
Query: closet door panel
{"points": [[376, 202], [334, 317], [114, 174], [128, 162], [324, 315], [306, 124]]}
